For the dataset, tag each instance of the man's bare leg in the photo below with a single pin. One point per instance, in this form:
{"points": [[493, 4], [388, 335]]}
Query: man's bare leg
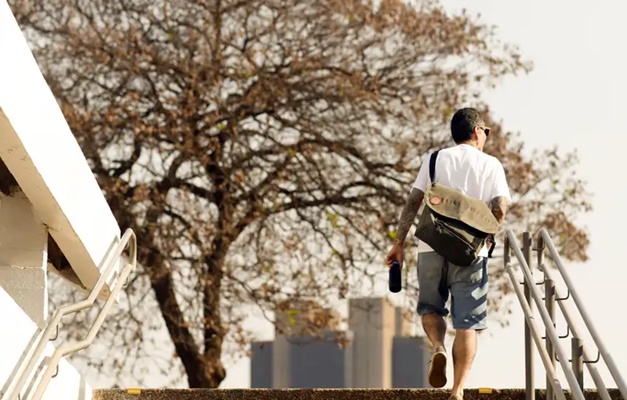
{"points": [[435, 328], [464, 350]]}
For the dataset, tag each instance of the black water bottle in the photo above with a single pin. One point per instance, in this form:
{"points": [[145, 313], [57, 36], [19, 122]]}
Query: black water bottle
{"points": [[394, 278]]}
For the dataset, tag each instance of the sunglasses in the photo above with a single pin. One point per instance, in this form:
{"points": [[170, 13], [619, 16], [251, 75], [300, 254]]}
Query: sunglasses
{"points": [[485, 129]]}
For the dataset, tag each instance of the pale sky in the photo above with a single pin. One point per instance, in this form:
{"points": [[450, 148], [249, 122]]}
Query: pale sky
{"points": [[571, 98]]}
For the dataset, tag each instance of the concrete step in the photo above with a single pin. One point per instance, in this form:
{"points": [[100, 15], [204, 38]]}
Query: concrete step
{"points": [[323, 394]]}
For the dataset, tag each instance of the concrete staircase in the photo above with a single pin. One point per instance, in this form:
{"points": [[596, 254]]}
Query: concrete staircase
{"points": [[323, 394]]}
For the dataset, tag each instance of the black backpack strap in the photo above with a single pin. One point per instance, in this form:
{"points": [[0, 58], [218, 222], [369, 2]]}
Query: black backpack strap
{"points": [[432, 160]]}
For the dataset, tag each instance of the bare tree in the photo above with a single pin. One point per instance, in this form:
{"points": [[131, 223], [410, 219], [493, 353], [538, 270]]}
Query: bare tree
{"points": [[262, 149]]}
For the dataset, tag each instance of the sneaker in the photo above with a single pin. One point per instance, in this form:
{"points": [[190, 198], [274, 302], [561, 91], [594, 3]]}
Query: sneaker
{"points": [[437, 369]]}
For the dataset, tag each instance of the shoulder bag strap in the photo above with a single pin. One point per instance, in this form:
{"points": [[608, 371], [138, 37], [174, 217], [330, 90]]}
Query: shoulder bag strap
{"points": [[432, 161]]}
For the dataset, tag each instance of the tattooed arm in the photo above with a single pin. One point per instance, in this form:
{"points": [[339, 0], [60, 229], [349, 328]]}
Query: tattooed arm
{"points": [[407, 219], [499, 208], [409, 214]]}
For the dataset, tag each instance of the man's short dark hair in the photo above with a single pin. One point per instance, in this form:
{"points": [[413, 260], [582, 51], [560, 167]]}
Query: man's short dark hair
{"points": [[464, 122]]}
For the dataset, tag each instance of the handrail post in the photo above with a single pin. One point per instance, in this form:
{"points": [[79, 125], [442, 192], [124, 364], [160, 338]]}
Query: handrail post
{"points": [[577, 359], [549, 301], [549, 296], [529, 384]]}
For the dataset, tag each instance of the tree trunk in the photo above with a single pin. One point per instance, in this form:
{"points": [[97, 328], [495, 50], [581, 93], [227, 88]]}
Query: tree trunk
{"points": [[213, 330], [195, 365]]}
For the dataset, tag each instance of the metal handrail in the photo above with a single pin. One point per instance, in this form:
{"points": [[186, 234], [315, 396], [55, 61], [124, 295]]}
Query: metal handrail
{"points": [[609, 361], [546, 359], [576, 385], [33, 353], [594, 373], [550, 329]]}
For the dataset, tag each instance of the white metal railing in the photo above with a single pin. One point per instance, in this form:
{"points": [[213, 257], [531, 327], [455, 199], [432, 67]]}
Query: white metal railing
{"points": [[28, 370], [552, 350]]}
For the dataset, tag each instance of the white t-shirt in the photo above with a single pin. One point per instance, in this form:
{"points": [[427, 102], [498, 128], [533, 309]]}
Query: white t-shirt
{"points": [[469, 170]]}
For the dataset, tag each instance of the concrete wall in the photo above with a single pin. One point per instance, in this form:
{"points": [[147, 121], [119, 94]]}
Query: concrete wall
{"points": [[373, 324], [23, 253], [378, 352], [410, 359], [316, 363], [404, 320], [308, 362], [24, 295], [15, 336], [43, 156], [261, 365]]}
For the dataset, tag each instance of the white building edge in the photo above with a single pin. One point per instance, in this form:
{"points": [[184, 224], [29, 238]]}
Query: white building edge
{"points": [[47, 190]]}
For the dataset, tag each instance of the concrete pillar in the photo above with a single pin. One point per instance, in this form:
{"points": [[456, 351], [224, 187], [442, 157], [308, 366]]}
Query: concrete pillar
{"points": [[23, 256], [349, 357], [281, 376], [372, 322], [403, 321]]}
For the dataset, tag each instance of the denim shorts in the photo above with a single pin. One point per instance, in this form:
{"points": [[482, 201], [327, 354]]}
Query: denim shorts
{"points": [[468, 287]]}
